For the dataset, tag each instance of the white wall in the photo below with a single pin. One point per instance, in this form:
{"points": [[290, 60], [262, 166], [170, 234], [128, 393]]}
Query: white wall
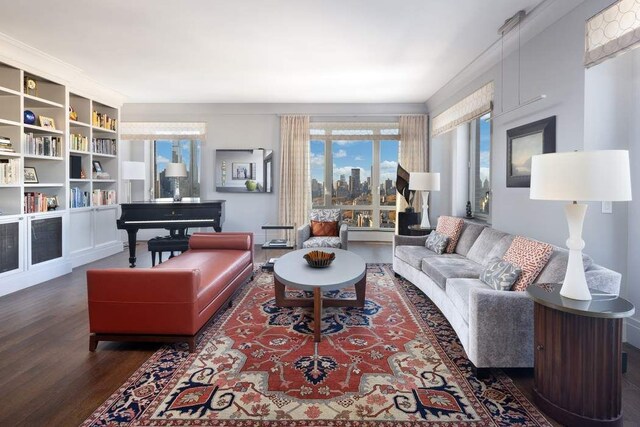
{"points": [[253, 126]]}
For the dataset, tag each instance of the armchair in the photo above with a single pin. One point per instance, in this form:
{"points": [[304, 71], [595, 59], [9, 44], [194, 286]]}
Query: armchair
{"points": [[306, 240]]}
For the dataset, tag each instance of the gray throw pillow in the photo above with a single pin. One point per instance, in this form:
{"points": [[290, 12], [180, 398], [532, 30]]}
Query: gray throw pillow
{"points": [[437, 242], [500, 274]]}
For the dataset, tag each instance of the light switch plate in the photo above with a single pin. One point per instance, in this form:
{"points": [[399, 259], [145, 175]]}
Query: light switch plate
{"points": [[607, 207]]}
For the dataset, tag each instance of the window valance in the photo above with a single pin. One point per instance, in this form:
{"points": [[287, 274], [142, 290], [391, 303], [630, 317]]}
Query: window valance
{"points": [[612, 31], [469, 108], [162, 130]]}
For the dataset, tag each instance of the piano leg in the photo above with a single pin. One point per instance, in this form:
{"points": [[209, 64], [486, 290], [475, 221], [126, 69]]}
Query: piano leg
{"points": [[132, 233], [217, 228]]}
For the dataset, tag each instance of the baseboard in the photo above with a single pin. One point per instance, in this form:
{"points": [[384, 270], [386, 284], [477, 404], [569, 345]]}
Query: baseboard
{"points": [[84, 257], [34, 276], [633, 331]]}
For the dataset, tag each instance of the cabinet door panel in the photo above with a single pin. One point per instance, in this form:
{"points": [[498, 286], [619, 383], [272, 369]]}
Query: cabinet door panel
{"points": [[80, 238], [105, 230], [11, 246], [46, 239]]}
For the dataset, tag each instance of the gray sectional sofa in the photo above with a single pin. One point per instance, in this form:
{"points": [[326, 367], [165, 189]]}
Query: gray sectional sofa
{"points": [[495, 327]]}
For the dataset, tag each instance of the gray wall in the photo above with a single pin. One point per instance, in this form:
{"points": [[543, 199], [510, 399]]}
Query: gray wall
{"points": [[252, 126]]}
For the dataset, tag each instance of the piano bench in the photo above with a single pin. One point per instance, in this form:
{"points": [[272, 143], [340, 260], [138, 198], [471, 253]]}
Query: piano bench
{"points": [[166, 244]]}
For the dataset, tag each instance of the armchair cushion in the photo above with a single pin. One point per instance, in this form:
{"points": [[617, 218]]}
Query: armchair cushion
{"points": [[324, 228], [324, 215], [322, 242]]}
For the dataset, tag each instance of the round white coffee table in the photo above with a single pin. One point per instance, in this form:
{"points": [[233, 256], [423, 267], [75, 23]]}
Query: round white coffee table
{"points": [[292, 270]]}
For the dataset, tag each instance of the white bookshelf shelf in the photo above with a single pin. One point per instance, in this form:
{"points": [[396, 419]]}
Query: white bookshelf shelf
{"points": [[79, 180], [44, 185], [110, 156], [9, 154], [40, 129], [39, 157], [31, 101], [6, 91], [74, 123], [100, 129], [106, 181], [80, 152], [4, 122], [10, 185]]}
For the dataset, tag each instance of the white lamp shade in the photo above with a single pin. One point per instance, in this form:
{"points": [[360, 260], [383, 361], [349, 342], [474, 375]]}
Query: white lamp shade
{"points": [[176, 170], [581, 176], [424, 181], [133, 170]]}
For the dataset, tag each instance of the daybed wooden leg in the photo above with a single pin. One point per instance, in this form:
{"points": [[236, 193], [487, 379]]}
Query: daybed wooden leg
{"points": [[192, 344], [481, 373], [93, 342], [397, 275], [230, 303]]}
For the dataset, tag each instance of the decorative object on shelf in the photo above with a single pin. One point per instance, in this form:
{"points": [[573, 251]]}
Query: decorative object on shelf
{"points": [[73, 115], [251, 185], [319, 259], [177, 171], [30, 175], [30, 86], [402, 186], [52, 203], [5, 145], [29, 117], [133, 171], [97, 167], [242, 171], [101, 175], [425, 182], [47, 122], [523, 143], [223, 173], [585, 176], [469, 213], [83, 174]]}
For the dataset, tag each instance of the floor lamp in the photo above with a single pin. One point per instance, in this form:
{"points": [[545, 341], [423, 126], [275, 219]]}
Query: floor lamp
{"points": [[425, 182], [132, 171], [177, 171], [580, 176]]}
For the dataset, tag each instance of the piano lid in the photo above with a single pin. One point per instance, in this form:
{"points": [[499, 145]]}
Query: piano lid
{"points": [[171, 202]]}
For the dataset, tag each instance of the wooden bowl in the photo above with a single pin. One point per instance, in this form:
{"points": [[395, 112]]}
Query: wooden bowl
{"points": [[319, 259]]}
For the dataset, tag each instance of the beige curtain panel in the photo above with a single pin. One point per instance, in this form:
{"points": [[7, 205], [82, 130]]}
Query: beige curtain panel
{"points": [[294, 202], [413, 151], [612, 32], [471, 107]]}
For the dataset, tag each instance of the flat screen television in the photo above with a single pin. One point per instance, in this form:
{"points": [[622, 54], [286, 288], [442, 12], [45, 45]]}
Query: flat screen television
{"points": [[244, 170]]}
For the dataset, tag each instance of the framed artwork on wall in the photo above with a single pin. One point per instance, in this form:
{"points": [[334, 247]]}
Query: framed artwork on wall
{"points": [[524, 142]]}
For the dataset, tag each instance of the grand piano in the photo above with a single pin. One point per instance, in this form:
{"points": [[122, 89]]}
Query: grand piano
{"points": [[173, 216]]}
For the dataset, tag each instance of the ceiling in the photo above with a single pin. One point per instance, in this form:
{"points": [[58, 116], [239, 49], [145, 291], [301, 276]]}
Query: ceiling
{"points": [[263, 50]]}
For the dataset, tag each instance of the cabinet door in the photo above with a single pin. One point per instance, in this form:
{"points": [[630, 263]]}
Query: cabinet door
{"points": [[79, 223], [104, 225], [46, 239], [11, 246]]}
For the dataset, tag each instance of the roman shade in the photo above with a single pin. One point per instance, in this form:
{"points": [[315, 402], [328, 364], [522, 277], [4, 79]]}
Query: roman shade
{"points": [[162, 130], [469, 108], [612, 31]]}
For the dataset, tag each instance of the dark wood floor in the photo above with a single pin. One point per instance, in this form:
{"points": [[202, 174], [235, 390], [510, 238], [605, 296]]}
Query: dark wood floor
{"points": [[49, 378]]}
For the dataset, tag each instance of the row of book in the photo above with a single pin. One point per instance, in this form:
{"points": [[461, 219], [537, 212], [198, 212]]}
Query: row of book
{"points": [[104, 121], [103, 197], [5, 145], [104, 146], [78, 198], [79, 142], [42, 145], [9, 171], [36, 202]]}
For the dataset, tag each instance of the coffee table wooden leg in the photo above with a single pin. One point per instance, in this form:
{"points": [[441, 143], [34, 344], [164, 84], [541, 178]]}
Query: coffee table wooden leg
{"points": [[361, 289], [317, 313]]}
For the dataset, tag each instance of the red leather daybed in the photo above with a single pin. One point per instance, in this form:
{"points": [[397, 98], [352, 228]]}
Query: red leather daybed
{"points": [[172, 301]]}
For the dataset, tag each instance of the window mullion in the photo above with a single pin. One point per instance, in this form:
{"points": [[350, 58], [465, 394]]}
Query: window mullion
{"points": [[375, 184], [328, 173]]}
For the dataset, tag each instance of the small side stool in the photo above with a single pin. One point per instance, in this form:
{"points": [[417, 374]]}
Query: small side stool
{"points": [[166, 244]]}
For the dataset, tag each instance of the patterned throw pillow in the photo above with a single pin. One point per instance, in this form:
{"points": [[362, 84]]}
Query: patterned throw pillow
{"points": [[436, 242], [324, 228], [500, 274], [451, 227], [530, 256]]}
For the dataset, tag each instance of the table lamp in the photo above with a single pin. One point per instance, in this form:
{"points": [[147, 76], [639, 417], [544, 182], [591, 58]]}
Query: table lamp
{"points": [[425, 182], [580, 176], [177, 171], [132, 171]]}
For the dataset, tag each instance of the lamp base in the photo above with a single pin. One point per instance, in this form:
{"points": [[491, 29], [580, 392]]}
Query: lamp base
{"points": [[176, 194], [575, 282], [425, 210]]}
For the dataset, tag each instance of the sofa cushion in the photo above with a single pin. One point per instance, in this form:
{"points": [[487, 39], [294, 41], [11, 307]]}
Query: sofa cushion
{"points": [[469, 235], [437, 242], [217, 269], [458, 292], [324, 215], [500, 274], [324, 228], [485, 242], [322, 242], [556, 268], [441, 268], [413, 255], [451, 227], [531, 256], [500, 248]]}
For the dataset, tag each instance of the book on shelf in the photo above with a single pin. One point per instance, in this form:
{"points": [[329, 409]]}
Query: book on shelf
{"points": [[277, 242], [50, 146], [104, 146], [5, 145], [35, 202], [9, 171], [103, 120], [79, 142], [103, 197], [79, 198]]}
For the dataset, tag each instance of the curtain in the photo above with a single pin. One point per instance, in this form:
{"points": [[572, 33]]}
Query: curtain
{"points": [[612, 32], [469, 108], [294, 202], [413, 151]]}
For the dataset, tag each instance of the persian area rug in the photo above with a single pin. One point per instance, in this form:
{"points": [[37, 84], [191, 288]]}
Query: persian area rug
{"points": [[395, 362]]}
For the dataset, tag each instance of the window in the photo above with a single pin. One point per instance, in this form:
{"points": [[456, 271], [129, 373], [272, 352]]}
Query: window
{"points": [[185, 151], [480, 166], [353, 167]]}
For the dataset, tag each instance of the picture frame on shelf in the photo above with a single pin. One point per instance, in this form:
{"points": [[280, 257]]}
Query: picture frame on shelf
{"points": [[97, 167], [242, 171], [47, 122], [524, 142], [30, 175]]}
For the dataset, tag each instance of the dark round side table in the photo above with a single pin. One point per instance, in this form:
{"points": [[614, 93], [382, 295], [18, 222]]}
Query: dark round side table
{"points": [[416, 230], [578, 356]]}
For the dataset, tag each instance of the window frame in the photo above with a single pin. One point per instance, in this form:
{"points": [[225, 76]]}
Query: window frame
{"points": [[474, 142]]}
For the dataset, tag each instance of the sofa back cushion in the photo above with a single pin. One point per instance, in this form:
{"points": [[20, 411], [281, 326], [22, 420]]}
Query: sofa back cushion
{"points": [[451, 227], [556, 268], [531, 256], [324, 215], [468, 237], [483, 245]]}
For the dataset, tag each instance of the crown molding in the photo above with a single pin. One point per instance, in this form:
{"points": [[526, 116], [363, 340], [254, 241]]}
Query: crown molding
{"points": [[21, 55]]}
